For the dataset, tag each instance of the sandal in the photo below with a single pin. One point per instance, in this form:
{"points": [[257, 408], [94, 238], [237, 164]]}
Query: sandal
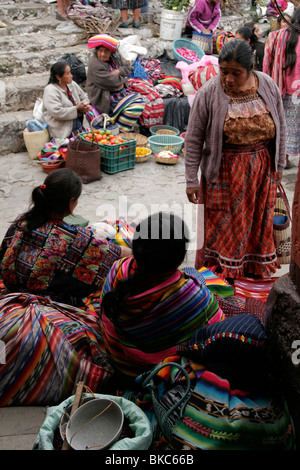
{"points": [[136, 25], [124, 25], [60, 17]]}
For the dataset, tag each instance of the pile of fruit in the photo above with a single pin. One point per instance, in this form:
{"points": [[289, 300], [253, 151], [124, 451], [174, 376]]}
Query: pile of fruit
{"points": [[142, 151], [104, 137]]}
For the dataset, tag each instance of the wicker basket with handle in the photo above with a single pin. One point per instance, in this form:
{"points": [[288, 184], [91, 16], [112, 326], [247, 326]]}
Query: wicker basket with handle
{"points": [[83, 157]]}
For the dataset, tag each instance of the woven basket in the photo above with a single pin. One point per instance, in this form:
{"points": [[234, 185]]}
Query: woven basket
{"points": [[160, 129], [165, 142], [282, 227], [203, 41], [141, 140], [83, 157], [167, 161], [35, 142], [143, 158]]}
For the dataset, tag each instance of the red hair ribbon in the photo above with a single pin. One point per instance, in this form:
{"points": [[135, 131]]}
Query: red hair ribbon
{"points": [[42, 186]]}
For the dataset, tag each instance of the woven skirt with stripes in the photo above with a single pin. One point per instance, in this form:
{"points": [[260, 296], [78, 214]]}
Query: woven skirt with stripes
{"points": [[238, 215], [291, 106], [127, 111]]}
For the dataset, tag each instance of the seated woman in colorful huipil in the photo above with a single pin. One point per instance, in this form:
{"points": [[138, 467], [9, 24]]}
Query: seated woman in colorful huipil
{"points": [[43, 255], [148, 304]]}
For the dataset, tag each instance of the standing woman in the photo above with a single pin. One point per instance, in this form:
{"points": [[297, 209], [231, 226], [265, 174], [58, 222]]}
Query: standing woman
{"points": [[236, 135], [282, 63], [124, 6], [107, 76], [64, 102]]}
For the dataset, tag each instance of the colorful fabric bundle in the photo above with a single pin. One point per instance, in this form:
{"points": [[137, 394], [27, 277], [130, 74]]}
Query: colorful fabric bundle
{"points": [[272, 9], [174, 305], [236, 348], [118, 232], [127, 111], [254, 288], [153, 68], [153, 112], [49, 348], [220, 38], [203, 73], [138, 70], [216, 284], [171, 80], [103, 40], [55, 150], [199, 410]]}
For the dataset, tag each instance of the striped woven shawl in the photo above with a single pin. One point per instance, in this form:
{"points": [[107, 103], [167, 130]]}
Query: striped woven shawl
{"points": [[151, 323], [274, 58]]}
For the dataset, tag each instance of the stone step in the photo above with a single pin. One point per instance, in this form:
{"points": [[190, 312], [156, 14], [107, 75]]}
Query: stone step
{"points": [[26, 11], [20, 93], [12, 125]]}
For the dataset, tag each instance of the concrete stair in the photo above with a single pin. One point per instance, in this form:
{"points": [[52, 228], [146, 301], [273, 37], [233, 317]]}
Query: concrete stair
{"points": [[33, 40]]}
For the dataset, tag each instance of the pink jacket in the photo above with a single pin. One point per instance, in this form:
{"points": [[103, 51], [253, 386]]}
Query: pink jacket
{"points": [[204, 15]]}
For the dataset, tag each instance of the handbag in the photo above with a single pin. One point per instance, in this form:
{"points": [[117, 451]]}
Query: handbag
{"points": [[206, 413], [282, 227], [84, 158], [35, 141]]}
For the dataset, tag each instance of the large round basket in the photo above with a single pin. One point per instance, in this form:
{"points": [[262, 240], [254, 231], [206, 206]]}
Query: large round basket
{"points": [[167, 161], [161, 129], [165, 142], [144, 157], [141, 140], [186, 44]]}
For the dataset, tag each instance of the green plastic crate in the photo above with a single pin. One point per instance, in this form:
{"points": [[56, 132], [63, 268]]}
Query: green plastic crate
{"points": [[118, 157]]}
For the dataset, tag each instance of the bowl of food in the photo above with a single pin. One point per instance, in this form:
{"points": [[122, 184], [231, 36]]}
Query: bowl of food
{"points": [[142, 154]]}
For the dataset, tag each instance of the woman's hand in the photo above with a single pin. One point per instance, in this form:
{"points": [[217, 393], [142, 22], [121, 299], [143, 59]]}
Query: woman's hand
{"points": [[125, 251], [115, 72], [193, 195], [82, 107]]}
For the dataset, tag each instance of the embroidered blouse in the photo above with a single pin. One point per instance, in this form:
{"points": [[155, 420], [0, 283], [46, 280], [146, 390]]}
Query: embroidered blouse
{"points": [[57, 259], [248, 120]]}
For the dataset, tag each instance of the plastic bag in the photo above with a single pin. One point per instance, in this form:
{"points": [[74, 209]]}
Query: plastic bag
{"points": [[138, 423], [130, 47], [38, 110], [77, 67]]}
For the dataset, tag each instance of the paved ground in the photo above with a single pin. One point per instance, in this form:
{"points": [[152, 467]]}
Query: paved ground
{"points": [[132, 193]]}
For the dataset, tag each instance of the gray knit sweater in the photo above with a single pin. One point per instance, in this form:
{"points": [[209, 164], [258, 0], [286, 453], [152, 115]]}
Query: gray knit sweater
{"points": [[100, 82], [204, 136]]}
